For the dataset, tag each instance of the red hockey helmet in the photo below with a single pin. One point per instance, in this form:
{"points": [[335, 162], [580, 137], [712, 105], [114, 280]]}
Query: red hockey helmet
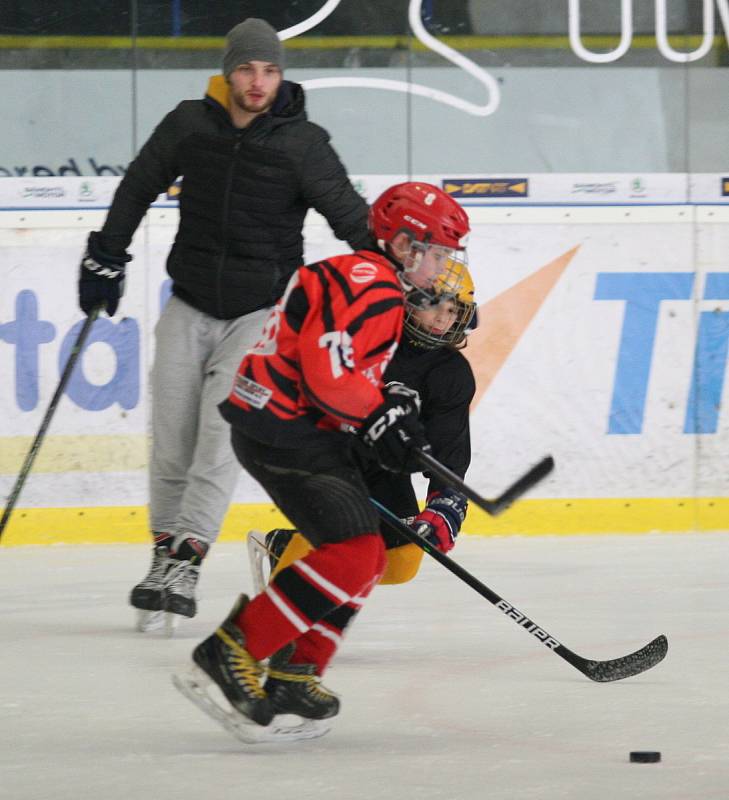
{"points": [[423, 211]]}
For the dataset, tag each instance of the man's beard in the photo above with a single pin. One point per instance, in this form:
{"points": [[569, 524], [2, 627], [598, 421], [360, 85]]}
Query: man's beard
{"points": [[258, 107]]}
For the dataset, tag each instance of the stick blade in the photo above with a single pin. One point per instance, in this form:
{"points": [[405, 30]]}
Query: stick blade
{"points": [[627, 666], [527, 481]]}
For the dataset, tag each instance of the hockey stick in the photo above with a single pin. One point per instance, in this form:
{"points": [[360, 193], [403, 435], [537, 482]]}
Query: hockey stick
{"points": [[601, 671], [35, 447], [498, 504]]}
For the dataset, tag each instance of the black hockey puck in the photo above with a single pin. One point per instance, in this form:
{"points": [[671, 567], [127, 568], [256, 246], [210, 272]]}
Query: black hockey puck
{"points": [[645, 757]]}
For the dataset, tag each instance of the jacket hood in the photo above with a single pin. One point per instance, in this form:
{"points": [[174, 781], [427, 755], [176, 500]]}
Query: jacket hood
{"points": [[289, 105]]}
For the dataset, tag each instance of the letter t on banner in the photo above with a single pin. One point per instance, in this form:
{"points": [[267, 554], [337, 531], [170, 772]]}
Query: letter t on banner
{"points": [[642, 294]]}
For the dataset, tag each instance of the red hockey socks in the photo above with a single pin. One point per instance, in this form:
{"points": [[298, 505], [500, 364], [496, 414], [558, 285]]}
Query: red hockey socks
{"points": [[333, 578]]}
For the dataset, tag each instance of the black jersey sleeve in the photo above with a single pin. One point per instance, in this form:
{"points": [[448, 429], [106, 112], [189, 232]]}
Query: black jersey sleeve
{"points": [[447, 394]]}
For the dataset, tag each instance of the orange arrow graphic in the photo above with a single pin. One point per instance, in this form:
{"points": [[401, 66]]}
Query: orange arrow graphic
{"points": [[504, 318]]}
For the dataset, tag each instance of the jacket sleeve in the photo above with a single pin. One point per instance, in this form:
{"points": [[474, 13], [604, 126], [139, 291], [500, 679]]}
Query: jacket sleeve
{"points": [[148, 175], [328, 190]]}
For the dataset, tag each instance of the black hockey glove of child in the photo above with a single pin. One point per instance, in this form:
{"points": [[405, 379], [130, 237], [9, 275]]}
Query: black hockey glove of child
{"points": [[101, 278], [440, 521], [393, 429]]}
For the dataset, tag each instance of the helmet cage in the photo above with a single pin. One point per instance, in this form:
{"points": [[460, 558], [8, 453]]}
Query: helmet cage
{"points": [[453, 285], [414, 274]]}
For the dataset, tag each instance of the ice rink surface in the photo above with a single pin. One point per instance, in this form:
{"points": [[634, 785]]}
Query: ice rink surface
{"points": [[443, 697]]}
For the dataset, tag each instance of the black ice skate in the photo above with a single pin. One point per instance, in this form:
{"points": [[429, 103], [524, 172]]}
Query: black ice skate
{"points": [[183, 572], [223, 660], [148, 595], [243, 709], [297, 689], [277, 541], [262, 547]]}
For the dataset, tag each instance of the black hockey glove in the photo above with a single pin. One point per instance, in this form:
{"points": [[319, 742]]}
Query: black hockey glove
{"points": [[393, 429], [101, 279], [440, 521]]}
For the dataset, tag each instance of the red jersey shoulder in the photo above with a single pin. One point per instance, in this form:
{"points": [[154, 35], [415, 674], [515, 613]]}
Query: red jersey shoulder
{"points": [[356, 273], [366, 268]]}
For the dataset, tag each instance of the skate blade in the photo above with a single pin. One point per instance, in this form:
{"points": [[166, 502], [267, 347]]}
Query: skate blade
{"points": [[171, 622], [257, 557], [194, 686], [294, 732], [148, 621]]}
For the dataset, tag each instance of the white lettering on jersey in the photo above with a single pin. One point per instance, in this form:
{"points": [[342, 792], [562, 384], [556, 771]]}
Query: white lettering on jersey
{"points": [[341, 352], [266, 345], [375, 372]]}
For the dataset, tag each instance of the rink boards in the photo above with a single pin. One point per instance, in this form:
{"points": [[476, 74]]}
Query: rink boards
{"points": [[602, 340]]}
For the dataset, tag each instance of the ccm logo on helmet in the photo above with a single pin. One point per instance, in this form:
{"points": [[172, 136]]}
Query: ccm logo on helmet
{"points": [[363, 272], [414, 221]]}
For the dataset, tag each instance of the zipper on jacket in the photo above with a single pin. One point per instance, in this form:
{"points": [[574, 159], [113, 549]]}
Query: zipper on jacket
{"points": [[226, 213]]}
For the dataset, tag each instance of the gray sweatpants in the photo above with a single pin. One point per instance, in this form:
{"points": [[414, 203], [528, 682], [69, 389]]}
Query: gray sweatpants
{"points": [[193, 470]]}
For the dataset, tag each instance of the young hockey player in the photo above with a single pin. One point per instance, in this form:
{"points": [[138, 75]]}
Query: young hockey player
{"points": [[428, 360], [305, 397]]}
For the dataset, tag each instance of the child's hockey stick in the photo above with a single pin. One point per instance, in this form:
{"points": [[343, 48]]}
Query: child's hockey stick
{"points": [[601, 671], [497, 504]]}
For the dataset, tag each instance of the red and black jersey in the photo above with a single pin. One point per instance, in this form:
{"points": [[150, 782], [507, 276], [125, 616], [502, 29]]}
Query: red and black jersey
{"points": [[324, 348]]}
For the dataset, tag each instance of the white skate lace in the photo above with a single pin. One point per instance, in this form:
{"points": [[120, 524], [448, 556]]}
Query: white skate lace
{"points": [[156, 575], [181, 579]]}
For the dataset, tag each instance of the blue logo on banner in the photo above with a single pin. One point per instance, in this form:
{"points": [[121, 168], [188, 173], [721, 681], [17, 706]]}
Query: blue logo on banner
{"points": [[642, 295], [480, 188]]}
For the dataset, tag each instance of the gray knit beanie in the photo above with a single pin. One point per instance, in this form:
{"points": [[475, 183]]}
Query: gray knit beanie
{"points": [[252, 40]]}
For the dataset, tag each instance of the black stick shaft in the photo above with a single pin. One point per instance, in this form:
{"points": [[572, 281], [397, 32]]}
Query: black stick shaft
{"points": [[474, 583], [601, 671], [496, 505], [35, 447]]}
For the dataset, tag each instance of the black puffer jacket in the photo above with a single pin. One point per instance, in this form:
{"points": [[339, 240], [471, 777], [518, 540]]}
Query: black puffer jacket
{"points": [[245, 193]]}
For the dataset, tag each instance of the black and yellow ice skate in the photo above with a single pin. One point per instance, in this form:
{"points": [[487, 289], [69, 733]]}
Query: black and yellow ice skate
{"points": [[277, 541], [297, 689], [244, 708], [266, 547]]}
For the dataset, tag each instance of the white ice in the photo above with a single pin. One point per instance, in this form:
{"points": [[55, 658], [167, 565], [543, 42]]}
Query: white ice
{"points": [[443, 696]]}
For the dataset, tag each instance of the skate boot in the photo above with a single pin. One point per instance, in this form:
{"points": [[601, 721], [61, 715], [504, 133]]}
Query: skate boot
{"points": [[297, 689], [277, 541], [183, 572], [224, 660], [263, 546], [148, 595]]}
